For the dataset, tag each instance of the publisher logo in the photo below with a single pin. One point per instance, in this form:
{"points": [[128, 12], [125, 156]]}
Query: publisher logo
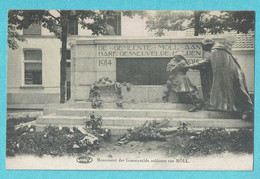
{"points": [[84, 160]]}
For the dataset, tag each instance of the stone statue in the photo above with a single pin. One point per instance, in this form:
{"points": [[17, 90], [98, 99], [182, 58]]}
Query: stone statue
{"points": [[227, 90], [180, 83]]}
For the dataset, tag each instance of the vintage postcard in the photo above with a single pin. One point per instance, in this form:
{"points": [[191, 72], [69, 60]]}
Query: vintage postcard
{"points": [[130, 90]]}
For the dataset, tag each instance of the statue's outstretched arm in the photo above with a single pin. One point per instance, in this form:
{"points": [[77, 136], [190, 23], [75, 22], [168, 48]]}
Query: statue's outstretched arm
{"points": [[199, 64]]}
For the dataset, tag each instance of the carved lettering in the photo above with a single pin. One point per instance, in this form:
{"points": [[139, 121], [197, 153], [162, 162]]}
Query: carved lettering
{"points": [[150, 50]]}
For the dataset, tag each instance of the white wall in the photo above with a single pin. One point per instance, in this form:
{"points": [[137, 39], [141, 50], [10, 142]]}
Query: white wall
{"points": [[49, 90], [246, 59], [129, 27], [133, 26], [50, 63]]}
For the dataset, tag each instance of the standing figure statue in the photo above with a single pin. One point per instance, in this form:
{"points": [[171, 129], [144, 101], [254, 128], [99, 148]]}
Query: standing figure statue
{"points": [[180, 82], [228, 91]]}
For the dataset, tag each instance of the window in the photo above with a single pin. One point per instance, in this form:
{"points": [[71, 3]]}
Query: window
{"points": [[114, 23], [34, 29], [32, 67], [73, 28]]}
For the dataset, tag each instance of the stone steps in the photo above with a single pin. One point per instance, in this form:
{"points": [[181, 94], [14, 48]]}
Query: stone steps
{"points": [[136, 114], [51, 108], [131, 122], [61, 120], [146, 113], [176, 106]]}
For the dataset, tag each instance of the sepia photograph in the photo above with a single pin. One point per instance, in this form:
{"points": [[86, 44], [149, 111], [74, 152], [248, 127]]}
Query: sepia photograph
{"points": [[130, 90]]}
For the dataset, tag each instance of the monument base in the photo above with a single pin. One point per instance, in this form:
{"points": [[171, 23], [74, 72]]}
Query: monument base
{"points": [[135, 114]]}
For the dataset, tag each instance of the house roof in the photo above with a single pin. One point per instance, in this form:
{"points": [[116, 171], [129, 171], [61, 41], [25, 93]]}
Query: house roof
{"points": [[245, 41], [242, 41]]}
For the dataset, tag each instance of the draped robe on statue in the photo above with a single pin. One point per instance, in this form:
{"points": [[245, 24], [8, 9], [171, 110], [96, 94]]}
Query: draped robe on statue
{"points": [[229, 90], [206, 81]]}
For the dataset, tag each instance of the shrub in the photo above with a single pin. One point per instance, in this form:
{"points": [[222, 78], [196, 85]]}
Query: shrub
{"points": [[215, 141], [55, 140]]}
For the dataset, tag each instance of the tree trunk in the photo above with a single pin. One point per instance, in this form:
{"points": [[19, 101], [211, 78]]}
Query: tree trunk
{"points": [[64, 36], [197, 15]]}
